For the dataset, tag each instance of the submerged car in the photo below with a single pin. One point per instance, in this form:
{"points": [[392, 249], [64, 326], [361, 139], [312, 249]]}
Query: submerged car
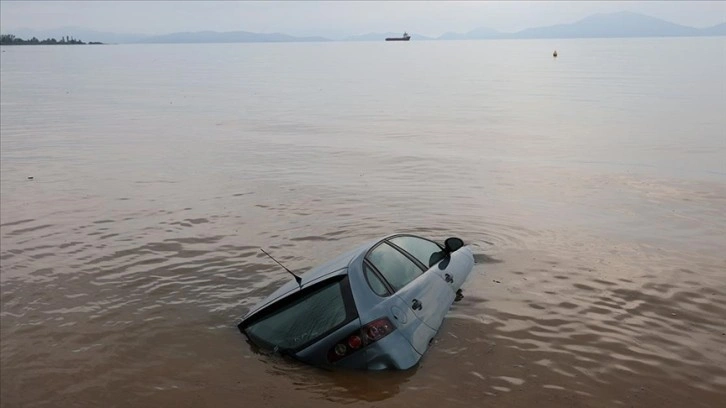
{"points": [[376, 307]]}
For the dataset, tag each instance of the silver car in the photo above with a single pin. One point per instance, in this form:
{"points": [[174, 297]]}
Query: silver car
{"points": [[376, 307]]}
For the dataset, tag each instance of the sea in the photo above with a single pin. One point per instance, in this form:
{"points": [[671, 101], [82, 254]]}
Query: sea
{"points": [[138, 182]]}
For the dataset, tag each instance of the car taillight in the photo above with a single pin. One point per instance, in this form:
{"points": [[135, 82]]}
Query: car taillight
{"points": [[370, 333], [378, 329], [354, 342]]}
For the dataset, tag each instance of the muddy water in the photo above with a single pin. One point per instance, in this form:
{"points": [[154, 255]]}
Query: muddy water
{"points": [[592, 189]]}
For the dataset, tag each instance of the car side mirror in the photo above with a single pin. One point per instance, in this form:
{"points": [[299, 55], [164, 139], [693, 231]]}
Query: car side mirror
{"points": [[436, 257], [452, 244]]}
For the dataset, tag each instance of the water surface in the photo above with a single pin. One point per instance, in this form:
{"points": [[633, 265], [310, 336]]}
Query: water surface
{"points": [[592, 188]]}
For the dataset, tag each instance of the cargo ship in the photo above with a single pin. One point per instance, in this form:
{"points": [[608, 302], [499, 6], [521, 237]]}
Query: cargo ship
{"points": [[405, 37]]}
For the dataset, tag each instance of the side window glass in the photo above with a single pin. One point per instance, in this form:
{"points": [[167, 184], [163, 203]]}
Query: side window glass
{"points": [[427, 252], [375, 282], [395, 267]]}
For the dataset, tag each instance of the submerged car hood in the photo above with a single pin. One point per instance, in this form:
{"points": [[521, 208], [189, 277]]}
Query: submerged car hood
{"points": [[334, 267]]}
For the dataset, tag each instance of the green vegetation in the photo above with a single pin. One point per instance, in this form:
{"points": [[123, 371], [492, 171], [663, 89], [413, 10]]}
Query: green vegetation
{"points": [[9, 39]]}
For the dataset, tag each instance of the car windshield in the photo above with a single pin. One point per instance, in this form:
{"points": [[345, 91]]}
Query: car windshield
{"points": [[427, 252], [303, 319]]}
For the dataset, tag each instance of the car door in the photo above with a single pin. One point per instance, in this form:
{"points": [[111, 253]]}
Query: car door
{"points": [[453, 269], [423, 292], [413, 329], [456, 268]]}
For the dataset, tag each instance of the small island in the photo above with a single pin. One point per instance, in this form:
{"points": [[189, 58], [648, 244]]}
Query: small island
{"points": [[10, 39]]}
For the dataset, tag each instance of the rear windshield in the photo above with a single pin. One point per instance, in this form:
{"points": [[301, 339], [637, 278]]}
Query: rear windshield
{"points": [[305, 317]]}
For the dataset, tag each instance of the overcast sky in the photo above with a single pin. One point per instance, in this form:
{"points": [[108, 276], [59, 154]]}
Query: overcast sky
{"points": [[333, 19]]}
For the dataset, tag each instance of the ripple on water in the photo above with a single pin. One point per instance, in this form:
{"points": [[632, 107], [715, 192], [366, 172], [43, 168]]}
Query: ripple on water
{"points": [[139, 305]]}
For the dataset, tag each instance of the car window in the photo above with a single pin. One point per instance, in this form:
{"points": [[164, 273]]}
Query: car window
{"points": [[302, 320], [379, 288], [427, 252], [395, 267]]}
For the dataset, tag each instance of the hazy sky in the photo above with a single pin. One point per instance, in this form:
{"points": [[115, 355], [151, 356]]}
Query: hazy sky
{"points": [[333, 18]]}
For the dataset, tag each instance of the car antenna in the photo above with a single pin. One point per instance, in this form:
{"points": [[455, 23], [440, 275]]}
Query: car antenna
{"points": [[297, 278]]}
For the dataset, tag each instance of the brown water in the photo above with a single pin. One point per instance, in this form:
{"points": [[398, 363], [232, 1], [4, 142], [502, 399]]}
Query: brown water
{"points": [[592, 188]]}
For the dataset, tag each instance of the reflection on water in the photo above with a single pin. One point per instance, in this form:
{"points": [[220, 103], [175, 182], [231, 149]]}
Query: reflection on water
{"points": [[129, 258]]}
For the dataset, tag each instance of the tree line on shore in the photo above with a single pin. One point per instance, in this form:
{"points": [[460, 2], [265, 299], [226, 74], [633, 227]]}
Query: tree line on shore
{"points": [[10, 39]]}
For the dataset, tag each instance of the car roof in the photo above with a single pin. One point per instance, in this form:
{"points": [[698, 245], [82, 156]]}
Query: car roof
{"points": [[348, 262]]}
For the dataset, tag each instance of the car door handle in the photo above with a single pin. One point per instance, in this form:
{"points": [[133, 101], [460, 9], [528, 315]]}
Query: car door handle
{"points": [[448, 278], [416, 304]]}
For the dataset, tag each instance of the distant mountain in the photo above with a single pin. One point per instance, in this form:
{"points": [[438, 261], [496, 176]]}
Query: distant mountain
{"points": [[718, 29], [76, 32], [383, 36], [612, 25], [481, 33], [226, 37], [621, 24]]}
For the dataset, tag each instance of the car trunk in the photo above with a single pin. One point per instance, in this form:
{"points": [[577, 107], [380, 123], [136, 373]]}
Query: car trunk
{"points": [[296, 321]]}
